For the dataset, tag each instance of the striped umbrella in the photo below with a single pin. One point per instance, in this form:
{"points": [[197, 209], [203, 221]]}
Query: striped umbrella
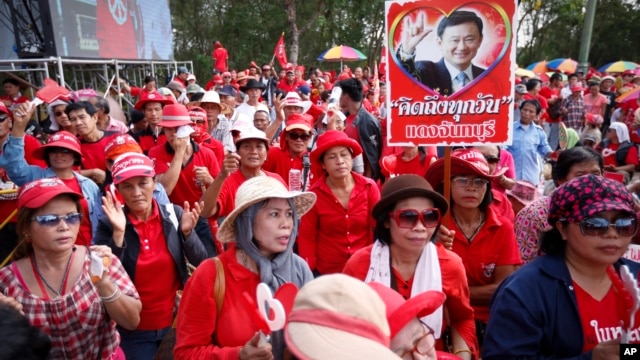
{"points": [[619, 66], [538, 67], [342, 53], [567, 66]]}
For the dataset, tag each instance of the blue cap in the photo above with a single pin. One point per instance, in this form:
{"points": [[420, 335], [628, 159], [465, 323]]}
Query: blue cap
{"points": [[304, 89], [183, 69], [228, 90]]}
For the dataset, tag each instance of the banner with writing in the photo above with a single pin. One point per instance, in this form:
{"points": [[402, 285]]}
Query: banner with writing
{"points": [[450, 71]]}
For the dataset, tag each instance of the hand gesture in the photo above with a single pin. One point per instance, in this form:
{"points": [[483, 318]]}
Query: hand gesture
{"points": [[113, 211], [180, 145], [445, 237], [189, 217], [230, 164], [252, 350], [607, 350], [278, 103], [413, 32], [202, 175], [21, 117]]}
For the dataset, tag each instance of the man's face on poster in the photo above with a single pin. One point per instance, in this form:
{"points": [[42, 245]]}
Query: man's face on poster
{"points": [[460, 44]]}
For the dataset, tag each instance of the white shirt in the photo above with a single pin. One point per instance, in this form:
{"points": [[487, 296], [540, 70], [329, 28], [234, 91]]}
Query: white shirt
{"points": [[453, 72]]}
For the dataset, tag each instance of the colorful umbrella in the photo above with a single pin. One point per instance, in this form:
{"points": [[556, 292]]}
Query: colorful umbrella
{"points": [[630, 95], [524, 72], [619, 66], [538, 67], [567, 66], [342, 53]]}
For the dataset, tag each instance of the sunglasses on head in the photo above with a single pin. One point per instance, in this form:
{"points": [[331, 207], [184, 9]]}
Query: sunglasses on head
{"points": [[597, 226], [296, 136], [408, 218], [54, 220]]}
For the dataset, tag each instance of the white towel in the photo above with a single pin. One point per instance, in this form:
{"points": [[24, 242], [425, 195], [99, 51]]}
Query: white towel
{"points": [[427, 277]]}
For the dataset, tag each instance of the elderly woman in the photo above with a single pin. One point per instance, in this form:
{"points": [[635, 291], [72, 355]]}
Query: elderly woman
{"points": [[341, 223], [484, 239], [531, 222], [50, 280], [62, 155], [154, 242], [263, 227], [574, 289], [405, 258]]}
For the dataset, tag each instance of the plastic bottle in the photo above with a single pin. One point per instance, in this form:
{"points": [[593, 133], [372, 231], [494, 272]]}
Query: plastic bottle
{"points": [[295, 180]]}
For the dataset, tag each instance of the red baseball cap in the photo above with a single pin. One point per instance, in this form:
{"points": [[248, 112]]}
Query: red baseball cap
{"points": [[152, 96], [61, 139], [299, 121], [217, 79], [129, 165], [175, 115], [575, 88], [4, 109], [198, 112], [121, 144], [37, 193]]}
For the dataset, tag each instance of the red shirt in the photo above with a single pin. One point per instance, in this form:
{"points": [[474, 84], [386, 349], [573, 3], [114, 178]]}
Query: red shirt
{"points": [[330, 234], [84, 235], [188, 188], [495, 245], [454, 286], [220, 55], [14, 101], [156, 274], [198, 315], [93, 155], [148, 139], [214, 145], [351, 129], [280, 161], [287, 88], [632, 155], [227, 196], [413, 166], [7, 206]]}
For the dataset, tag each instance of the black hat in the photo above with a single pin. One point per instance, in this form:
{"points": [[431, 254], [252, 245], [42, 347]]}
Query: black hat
{"points": [[252, 84]]}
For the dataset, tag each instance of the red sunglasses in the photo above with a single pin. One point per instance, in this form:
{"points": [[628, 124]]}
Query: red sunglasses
{"points": [[408, 218]]}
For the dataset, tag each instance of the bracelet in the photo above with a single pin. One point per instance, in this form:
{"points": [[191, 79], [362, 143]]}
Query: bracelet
{"points": [[456, 352], [113, 297]]}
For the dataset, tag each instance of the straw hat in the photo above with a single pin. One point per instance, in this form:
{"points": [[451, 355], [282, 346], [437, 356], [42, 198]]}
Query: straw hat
{"points": [[256, 190]]}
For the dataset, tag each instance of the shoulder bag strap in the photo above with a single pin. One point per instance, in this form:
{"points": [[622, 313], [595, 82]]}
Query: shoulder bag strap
{"points": [[219, 286]]}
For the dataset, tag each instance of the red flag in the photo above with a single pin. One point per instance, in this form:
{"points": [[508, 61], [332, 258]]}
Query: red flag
{"points": [[279, 52], [383, 62]]}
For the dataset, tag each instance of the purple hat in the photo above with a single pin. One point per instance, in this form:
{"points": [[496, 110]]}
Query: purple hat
{"points": [[586, 196]]}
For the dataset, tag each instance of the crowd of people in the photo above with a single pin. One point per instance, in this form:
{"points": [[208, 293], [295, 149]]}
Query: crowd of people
{"points": [[178, 212]]}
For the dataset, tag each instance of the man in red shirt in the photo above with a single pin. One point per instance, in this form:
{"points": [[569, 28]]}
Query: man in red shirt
{"points": [[12, 94], [201, 136], [184, 168], [183, 73], [220, 57], [290, 83], [151, 105], [84, 117], [294, 143]]}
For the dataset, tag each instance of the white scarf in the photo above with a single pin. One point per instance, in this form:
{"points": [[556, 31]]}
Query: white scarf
{"points": [[427, 277]]}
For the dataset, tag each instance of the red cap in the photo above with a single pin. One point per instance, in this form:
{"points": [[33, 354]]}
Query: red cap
{"points": [[37, 193], [61, 139], [628, 72], [121, 144], [300, 68], [196, 111], [289, 67], [130, 165], [575, 88], [299, 121], [463, 161], [400, 312], [153, 96], [226, 73], [175, 116], [4, 109], [217, 79]]}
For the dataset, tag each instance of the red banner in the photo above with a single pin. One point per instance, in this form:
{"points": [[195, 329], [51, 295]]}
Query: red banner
{"points": [[450, 71], [279, 52]]}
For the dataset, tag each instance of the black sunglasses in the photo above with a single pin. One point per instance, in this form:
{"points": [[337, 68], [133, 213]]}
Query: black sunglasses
{"points": [[492, 159], [59, 150], [296, 136], [3, 118]]}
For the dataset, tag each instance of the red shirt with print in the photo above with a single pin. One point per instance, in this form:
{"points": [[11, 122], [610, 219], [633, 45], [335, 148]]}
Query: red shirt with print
{"points": [[280, 161], [609, 155]]}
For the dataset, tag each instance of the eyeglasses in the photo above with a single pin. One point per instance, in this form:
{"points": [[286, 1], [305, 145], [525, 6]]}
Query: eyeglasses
{"points": [[59, 150], [266, 69], [492, 159], [296, 136], [422, 345], [598, 226], [408, 218], [3, 118], [465, 182], [58, 113], [226, 77], [54, 220]]}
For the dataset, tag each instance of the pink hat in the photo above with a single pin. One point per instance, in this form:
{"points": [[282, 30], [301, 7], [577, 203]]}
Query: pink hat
{"points": [[524, 191], [174, 116], [401, 311], [4, 109], [463, 161], [191, 77], [594, 119], [61, 139], [121, 144], [299, 121], [197, 111], [129, 165], [293, 99], [333, 138], [289, 67], [226, 73], [37, 193], [153, 96], [242, 123], [575, 88]]}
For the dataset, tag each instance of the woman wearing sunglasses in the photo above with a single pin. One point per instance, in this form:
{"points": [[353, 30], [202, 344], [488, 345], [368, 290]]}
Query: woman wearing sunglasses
{"points": [[568, 304], [341, 223], [483, 238], [405, 258], [499, 159], [52, 283]]}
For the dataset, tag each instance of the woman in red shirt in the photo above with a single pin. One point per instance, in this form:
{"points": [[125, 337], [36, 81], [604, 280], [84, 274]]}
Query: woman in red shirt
{"points": [[412, 160], [484, 239], [341, 224], [263, 227], [152, 241], [405, 258]]}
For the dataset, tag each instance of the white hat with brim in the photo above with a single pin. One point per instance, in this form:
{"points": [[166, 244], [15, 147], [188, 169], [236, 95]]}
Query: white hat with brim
{"points": [[293, 99], [251, 132], [258, 189]]}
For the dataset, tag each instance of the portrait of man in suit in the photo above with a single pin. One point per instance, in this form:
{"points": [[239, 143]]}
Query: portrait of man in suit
{"points": [[459, 37]]}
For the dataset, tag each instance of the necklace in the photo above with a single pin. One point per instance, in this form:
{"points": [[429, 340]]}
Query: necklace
{"points": [[245, 261], [41, 278], [475, 232]]}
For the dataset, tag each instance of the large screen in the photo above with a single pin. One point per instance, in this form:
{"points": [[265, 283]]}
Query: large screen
{"points": [[112, 29]]}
